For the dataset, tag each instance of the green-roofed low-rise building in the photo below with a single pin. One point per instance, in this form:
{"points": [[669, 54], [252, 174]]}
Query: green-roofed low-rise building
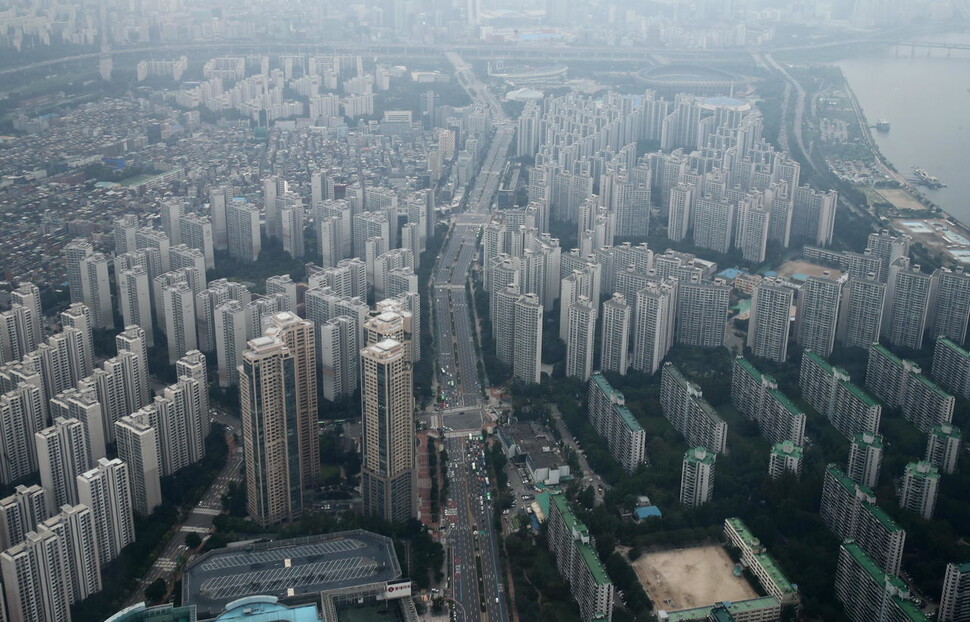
{"points": [[577, 561], [756, 558]]}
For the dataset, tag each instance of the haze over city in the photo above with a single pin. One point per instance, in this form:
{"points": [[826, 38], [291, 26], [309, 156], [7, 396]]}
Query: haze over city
{"points": [[484, 311]]}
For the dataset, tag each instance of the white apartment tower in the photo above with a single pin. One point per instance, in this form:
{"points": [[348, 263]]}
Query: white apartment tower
{"points": [[770, 322], [581, 338], [615, 345], [527, 360], [106, 489]]}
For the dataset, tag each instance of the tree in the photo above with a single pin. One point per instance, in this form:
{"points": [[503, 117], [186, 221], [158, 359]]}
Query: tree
{"points": [[155, 592], [193, 540]]}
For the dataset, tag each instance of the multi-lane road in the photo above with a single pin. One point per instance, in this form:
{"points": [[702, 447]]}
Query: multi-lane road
{"points": [[476, 583]]}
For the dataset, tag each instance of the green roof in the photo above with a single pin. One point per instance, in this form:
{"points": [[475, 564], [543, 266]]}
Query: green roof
{"points": [[884, 519], [585, 550], [952, 346], [627, 418], [932, 386], [604, 385], [707, 458], [777, 577], [881, 349], [964, 567], [845, 481], [948, 430], [909, 609], [788, 448], [818, 360], [870, 567], [754, 604], [746, 365], [922, 469], [859, 394], [690, 615], [876, 441], [786, 403], [743, 531]]}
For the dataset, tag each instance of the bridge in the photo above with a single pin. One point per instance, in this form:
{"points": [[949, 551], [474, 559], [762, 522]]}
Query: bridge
{"points": [[929, 46]]}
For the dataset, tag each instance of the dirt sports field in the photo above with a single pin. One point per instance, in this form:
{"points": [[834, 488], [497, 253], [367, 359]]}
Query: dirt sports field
{"points": [[803, 267], [692, 577]]}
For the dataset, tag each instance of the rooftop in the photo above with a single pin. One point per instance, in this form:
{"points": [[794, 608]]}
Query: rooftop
{"points": [[301, 565], [586, 551], [870, 567], [786, 403], [932, 387], [859, 394], [746, 365], [818, 360], [700, 455], [952, 346], [884, 519]]}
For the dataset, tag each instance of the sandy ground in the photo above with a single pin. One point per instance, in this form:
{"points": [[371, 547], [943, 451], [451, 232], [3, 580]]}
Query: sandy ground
{"points": [[803, 267], [692, 577], [901, 198]]}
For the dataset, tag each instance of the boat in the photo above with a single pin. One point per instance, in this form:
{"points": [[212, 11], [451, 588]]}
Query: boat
{"points": [[882, 125], [925, 179]]}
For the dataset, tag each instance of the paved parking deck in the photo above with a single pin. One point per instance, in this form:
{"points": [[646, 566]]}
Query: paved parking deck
{"points": [[303, 565]]}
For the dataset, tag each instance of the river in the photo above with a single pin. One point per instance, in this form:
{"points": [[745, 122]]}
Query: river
{"points": [[927, 101]]}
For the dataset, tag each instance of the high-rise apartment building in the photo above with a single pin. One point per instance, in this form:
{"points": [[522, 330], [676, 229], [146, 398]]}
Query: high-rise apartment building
{"points": [[219, 198], [615, 341], [607, 411], [75, 252], [283, 284], [527, 359], [900, 383], [850, 511], [243, 231], [861, 316], [909, 294], [106, 489], [62, 454], [697, 477], [36, 579], [952, 305], [138, 447], [770, 321], [865, 459], [785, 457], [955, 600], [653, 325], [292, 219], [135, 298], [951, 367], [21, 512], [943, 447], [757, 397], [867, 591], [179, 303], [96, 290], [387, 471], [581, 338], [577, 561], [830, 391], [683, 404], [196, 232], [273, 188], [702, 308], [919, 488], [818, 314]]}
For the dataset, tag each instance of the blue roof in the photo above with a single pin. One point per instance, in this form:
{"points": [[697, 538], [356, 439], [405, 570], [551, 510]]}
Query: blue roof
{"points": [[769, 273], [647, 511], [730, 273], [267, 609]]}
